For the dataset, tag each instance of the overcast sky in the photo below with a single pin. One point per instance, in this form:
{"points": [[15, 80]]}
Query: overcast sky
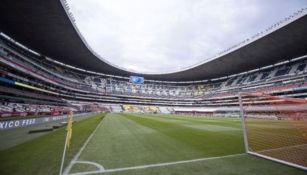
{"points": [[167, 35]]}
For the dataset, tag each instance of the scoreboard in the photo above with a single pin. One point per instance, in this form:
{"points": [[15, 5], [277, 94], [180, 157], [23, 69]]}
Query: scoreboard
{"points": [[136, 79]]}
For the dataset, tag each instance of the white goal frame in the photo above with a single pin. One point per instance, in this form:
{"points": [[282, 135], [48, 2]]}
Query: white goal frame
{"points": [[246, 144]]}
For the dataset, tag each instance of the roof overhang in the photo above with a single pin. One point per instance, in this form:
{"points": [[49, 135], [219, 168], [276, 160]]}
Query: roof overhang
{"points": [[45, 27]]}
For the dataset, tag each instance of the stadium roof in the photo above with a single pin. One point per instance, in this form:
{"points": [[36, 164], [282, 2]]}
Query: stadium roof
{"points": [[45, 27]]}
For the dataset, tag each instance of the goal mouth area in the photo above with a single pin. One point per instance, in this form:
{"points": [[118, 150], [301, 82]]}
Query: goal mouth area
{"points": [[275, 127]]}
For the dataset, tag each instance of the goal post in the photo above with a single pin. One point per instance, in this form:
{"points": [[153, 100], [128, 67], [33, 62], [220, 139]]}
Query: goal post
{"points": [[275, 128]]}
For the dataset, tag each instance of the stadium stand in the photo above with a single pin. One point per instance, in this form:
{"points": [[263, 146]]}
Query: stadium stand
{"points": [[24, 75], [8, 109], [151, 109], [30, 78], [132, 109]]}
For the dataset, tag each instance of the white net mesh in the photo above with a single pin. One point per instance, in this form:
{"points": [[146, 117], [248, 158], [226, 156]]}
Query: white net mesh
{"points": [[276, 127]]}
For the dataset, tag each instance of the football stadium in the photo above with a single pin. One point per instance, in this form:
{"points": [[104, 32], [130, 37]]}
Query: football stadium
{"points": [[66, 110]]}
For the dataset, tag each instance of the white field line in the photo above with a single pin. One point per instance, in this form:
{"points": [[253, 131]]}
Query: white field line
{"points": [[74, 160], [155, 165], [100, 167]]}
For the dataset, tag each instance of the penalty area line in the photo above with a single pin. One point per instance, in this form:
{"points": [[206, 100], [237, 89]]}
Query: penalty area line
{"points": [[156, 165], [76, 157]]}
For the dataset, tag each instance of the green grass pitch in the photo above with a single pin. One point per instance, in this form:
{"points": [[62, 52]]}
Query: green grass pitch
{"points": [[157, 144], [139, 144]]}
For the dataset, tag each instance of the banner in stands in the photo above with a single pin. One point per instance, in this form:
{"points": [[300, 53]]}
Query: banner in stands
{"points": [[11, 124]]}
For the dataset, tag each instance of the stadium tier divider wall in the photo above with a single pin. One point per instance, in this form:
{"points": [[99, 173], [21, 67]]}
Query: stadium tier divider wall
{"points": [[275, 128]]}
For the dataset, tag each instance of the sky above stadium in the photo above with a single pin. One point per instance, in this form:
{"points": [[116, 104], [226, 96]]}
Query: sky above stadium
{"points": [[156, 36]]}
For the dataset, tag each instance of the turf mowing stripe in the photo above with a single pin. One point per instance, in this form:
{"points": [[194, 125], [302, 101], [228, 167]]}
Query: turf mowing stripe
{"points": [[74, 160], [155, 165], [189, 122], [235, 122], [208, 142], [185, 121], [195, 124]]}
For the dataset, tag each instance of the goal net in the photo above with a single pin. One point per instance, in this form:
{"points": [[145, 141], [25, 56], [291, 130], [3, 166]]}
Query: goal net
{"points": [[275, 128]]}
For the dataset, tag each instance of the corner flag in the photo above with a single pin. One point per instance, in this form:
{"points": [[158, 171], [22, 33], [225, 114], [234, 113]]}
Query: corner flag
{"points": [[69, 128], [67, 140]]}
